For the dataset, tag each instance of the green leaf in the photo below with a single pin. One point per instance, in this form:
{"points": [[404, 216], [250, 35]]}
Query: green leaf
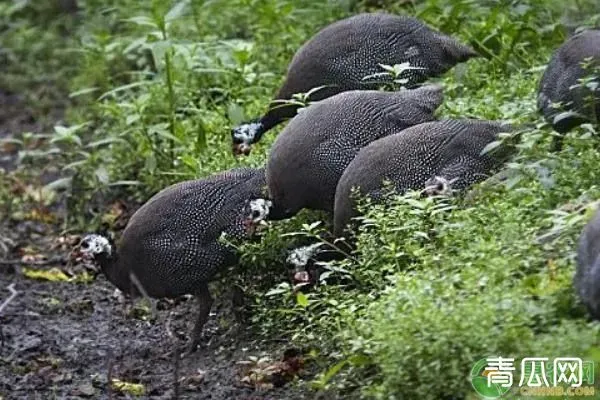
{"points": [[81, 92], [61, 183], [301, 299], [331, 372], [143, 21], [151, 163], [103, 142], [564, 115], [125, 183], [160, 130], [177, 11], [235, 114], [126, 87], [159, 49], [490, 147], [102, 174]]}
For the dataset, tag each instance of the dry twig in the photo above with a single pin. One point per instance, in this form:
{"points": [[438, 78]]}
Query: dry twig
{"points": [[13, 294]]}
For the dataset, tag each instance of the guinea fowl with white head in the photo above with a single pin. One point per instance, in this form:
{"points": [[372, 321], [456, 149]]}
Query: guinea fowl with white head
{"points": [[311, 154], [170, 246], [342, 54], [438, 158]]}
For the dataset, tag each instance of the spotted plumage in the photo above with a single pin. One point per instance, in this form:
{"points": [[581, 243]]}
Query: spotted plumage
{"points": [[310, 155], [339, 56], [439, 156], [587, 275], [560, 90], [171, 244]]}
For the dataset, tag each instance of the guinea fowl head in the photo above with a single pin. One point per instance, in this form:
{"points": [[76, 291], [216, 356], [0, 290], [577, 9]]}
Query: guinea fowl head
{"points": [[254, 213], [244, 136], [96, 248], [100, 251], [438, 186]]}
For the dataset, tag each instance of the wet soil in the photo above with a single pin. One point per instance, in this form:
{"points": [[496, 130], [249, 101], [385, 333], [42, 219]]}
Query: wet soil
{"points": [[69, 339], [64, 340]]}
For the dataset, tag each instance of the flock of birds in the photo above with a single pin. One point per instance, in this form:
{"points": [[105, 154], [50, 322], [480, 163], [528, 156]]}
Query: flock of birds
{"points": [[351, 136]]}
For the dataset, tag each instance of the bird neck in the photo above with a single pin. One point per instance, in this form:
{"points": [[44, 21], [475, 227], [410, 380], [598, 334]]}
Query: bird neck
{"points": [[114, 272], [278, 113]]}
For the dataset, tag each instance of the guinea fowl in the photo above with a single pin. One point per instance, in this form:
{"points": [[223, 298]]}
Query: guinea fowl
{"points": [[439, 157], [310, 155], [587, 275], [563, 100], [339, 56], [170, 246]]}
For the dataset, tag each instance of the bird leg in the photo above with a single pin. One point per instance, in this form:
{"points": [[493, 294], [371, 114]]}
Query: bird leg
{"points": [[204, 305]]}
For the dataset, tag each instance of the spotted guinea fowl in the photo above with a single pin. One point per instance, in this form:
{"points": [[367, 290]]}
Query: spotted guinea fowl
{"points": [[170, 246], [311, 153], [440, 157], [562, 99], [339, 56], [587, 275]]}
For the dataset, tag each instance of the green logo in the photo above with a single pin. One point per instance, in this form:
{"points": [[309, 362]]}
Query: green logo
{"points": [[479, 380]]}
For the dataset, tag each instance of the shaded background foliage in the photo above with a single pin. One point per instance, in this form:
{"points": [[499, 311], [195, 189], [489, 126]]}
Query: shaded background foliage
{"points": [[150, 91]]}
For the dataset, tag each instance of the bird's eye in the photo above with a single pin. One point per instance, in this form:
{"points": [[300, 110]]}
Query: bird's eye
{"points": [[85, 245], [255, 214]]}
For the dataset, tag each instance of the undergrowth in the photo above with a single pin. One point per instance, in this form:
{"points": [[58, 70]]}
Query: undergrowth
{"points": [[151, 90]]}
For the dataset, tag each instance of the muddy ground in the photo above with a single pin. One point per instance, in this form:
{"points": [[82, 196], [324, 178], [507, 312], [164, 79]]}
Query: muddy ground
{"points": [[68, 339]]}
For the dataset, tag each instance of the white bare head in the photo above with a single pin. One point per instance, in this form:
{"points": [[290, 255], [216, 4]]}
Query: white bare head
{"points": [[255, 212], [94, 245], [438, 186], [299, 257], [243, 136]]}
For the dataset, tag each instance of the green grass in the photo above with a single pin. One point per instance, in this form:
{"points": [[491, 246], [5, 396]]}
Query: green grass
{"points": [[152, 90]]}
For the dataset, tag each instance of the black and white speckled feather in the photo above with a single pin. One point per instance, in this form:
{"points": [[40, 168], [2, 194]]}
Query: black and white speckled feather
{"points": [[171, 244], [587, 275], [446, 152], [343, 53], [560, 86], [310, 155]]}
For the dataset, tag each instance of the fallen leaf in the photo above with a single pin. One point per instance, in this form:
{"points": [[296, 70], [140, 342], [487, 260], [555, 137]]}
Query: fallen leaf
{"points": [[193, 381], [135, 389], [52, 274], [265, 373], [32, 258], [116, 211], [36, 215], [40, 195], [66, 243]]}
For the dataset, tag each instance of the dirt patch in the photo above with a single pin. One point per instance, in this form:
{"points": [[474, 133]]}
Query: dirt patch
{"points": [[60, 339]]}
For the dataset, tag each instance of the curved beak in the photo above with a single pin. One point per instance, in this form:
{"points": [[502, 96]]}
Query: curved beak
{"points": [[241, 149]]}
